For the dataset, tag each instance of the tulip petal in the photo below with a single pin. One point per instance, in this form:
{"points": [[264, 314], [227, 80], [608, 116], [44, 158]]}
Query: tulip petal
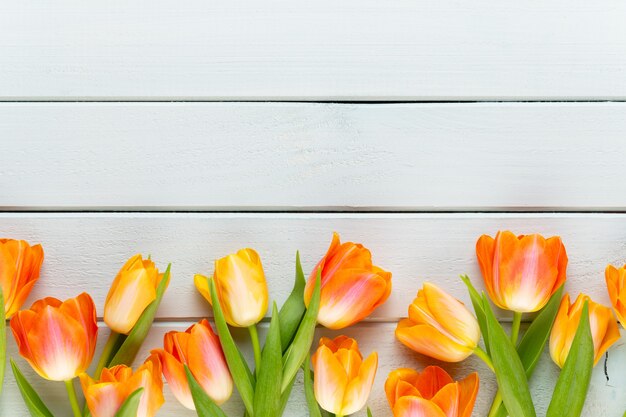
{"points": [[358, 389], [350, 297], [330, 380], [400, 382], [431, 380], [429, 341], [134, 291], [447, 398], [174, 373], [468, 391], [202, 285], [416, 407]]}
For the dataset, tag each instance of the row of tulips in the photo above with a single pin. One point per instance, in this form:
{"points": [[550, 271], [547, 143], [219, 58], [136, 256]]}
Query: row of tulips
{"points": [[522, 274]]}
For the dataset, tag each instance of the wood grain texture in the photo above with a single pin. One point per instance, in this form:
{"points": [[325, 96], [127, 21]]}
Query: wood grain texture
{"points": [[605, 398], [84, 251], [252, 156], [324, 50]]}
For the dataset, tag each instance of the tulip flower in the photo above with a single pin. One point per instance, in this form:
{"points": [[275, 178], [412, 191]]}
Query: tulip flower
{"points": [[604, 330], [198, 348], [57, 338], [616, 285], [343, 380], [439, 326], [105, 396], [19, 270], [352, 288], [241, 287], [432, 393], [521, 272], [132, 290]]}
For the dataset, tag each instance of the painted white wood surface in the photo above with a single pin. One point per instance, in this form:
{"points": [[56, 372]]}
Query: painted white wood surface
{"points": [[291, 156], [605, 398], [280, 49], [85, 250]]}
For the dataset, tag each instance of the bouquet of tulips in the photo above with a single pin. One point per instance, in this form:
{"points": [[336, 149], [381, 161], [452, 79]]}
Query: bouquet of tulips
{"points": [[522, 274]]}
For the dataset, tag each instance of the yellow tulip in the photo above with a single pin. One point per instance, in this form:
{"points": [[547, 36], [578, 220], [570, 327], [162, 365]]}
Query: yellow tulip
{"points": [[343, 380], [603, 325], [241, 287], [133, 289], [616, 285], [439, 326], [19, 270]]}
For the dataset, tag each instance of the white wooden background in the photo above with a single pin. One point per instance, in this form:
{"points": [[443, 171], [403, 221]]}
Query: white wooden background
{"points": [[189, 130]]}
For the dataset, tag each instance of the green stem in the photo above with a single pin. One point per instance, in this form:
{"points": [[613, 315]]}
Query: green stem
{"points": [[254, 335], [107, 353], [495, 406], [69, 385], [517, 320], [483, 355]]}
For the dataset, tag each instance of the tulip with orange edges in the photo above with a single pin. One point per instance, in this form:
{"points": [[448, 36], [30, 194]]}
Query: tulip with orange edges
{"points": [[58, 338], [616, 285], [199, 348], [20, 264], [132, 290], [343, 380], [604, 329], [106, 395], [439, 326], [352, 288], [431, 393]]}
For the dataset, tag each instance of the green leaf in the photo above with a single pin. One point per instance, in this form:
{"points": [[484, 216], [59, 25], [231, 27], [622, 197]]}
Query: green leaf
{"points": [[267, 392], [477, 302], [532, 344], [369, 412], [571, 387], [314, 408], [284, 397], [132, 343], [205, 406], [3, 339], [32, 400], [299, 349], [130, 406], [509, 370], [238, 367], [292, 311]]}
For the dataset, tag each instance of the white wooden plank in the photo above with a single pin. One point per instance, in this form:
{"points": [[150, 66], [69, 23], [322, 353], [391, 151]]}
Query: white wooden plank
{"points": [[84, 251], [247, 156], [279, 49], [605, 398]]}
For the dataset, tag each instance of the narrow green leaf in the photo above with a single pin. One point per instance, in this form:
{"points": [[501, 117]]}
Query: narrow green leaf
{"points": [[369, 412], [314, 408], [3, 339], [299, 349], [284, 397], [267, 391], [477, 302], [205, 406], [130, 405], [32, 400], [292, 311], [237, 365], [532, 344], [571, 387], [509, 370], [132, 343]]}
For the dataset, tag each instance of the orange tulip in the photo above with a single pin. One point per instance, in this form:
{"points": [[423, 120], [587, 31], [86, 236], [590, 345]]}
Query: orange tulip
{"points": [[241, 287], [343, 380], [616, 285], [603, 325], [431, 393], [57, 338], [19, 270], [521, 272], [439, 326], [105, 396], [198, 348], [352, 288], [132, 290]]}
